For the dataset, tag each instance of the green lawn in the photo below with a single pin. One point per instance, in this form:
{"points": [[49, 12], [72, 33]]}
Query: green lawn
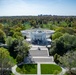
{"points": [[27, 69], [50, 69], [12, 74]]}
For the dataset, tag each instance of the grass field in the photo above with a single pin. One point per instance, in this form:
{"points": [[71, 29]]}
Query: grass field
{"points": [[50, 69], [27, 69]]}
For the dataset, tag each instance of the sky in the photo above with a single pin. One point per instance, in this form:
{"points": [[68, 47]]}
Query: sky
{"points": [[37, 7]]}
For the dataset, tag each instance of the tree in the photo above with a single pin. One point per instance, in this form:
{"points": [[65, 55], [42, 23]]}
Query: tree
{"points": [[6, 29], [17, 34], [63, 44], [56, 58], [2, 36], [11, 48], [9, 41], [5, 60], [69, 61], [33, 23], [74, 24], [60, 29], [1, 26], [22, 49], [56, 35]]}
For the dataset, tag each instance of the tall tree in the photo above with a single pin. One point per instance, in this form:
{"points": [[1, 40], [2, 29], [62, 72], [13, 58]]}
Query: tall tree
{"points": [[5, 60], [2, 36], [22, 49], [1, 26], [63, 44], [9, 41], [69, 61]]}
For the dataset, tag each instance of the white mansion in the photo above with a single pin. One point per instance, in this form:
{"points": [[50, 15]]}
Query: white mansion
{"points": [[38, 36]]}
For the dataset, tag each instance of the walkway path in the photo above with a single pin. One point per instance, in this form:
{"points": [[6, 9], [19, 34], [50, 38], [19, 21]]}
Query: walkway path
{"points": [[38, 69], [14, 70]]}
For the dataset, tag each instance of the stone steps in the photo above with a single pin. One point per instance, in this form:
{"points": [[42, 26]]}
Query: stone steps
{"points": [[36, 48], [38, 53], [42, 59]]}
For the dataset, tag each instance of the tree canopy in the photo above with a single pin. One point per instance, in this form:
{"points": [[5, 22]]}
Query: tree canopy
{"points": [[63, 44], [6, 62], [69, 61]]}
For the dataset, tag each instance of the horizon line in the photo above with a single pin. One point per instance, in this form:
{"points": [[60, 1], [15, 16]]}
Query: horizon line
{"points": [[35, 15]]}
